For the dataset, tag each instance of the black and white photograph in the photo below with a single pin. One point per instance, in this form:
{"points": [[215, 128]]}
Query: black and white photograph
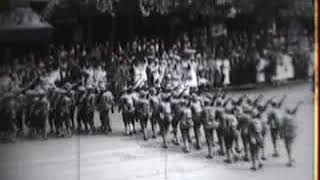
{"points": [[158, 89]]}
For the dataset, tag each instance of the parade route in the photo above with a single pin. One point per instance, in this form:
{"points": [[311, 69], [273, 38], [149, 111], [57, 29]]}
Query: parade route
{"points": [[119, 157]]}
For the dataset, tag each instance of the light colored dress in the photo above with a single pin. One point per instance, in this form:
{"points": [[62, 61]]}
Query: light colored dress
{"points": [[262, 64], [226, 71]]}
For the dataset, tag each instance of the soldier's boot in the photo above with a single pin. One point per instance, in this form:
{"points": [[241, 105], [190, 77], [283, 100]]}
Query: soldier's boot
{"points": [[126, 129]]}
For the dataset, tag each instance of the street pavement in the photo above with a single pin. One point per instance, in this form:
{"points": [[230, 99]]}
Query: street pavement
{"points": [[119, 157]]}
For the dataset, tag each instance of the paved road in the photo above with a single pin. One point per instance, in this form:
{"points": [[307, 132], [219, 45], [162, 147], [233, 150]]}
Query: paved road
{"points": [[117, 157]]}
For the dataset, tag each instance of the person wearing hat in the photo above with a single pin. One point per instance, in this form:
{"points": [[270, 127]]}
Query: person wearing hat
{"points": [[196, 109], [185, 124], [255, 139]]}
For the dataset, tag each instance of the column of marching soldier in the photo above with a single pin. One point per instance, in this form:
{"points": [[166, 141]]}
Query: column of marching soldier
{"points": [[238, 125]]}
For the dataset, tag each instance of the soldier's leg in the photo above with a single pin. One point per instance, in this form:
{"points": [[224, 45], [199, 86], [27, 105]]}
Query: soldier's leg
{"points": [[80, 118], [164, 127], [102, 119], [91, 122], [108, 122], [245, 143], [143, 123], [72, 118], [263, 154], [174, 125], [184, 132], [153, 124], [44, 128], [208, 136], [253, 156], [196, 129], [132, 121], [274, 137], [288, 144], [51, 122], [127, 120], [228, 144], [221, 141], [68, 124]]}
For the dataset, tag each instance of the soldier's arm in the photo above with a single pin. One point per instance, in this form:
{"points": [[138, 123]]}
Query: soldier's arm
{"points": [[295, 109], [282, 100]]}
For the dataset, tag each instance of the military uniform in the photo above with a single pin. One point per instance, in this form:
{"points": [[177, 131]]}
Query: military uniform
{"points": [[209, 122], [105, 104], [185, 124]]}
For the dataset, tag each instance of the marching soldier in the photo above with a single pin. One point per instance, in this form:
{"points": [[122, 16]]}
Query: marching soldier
{"points": [[255, 139], [41, 113], [144, 112], [165, 117], [128, 111], [104, 105], [90, 108], [289, 131], [209, 122], [64, 114], [185, 124], [231, 134], [274, 118], [196, 108], [155, 108], [81, 106]]}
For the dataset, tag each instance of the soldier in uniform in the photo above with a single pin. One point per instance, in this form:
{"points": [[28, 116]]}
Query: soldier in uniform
{"points": [[255, 139], [196, 108], [8, 114], [155, 105], [63, 117], [41, 114], [144, 112], [209, 123], [20, 106], [231, 133], [175, 110], [81, 107], [90, 108], [128, 111], [289, 131], [185, 124], [243, 125], [53, 99], [165, 117], [274, 118], [105, 103]]}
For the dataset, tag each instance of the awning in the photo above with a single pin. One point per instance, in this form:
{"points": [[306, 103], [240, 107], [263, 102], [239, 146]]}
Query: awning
{"points": [[23, 24]]}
